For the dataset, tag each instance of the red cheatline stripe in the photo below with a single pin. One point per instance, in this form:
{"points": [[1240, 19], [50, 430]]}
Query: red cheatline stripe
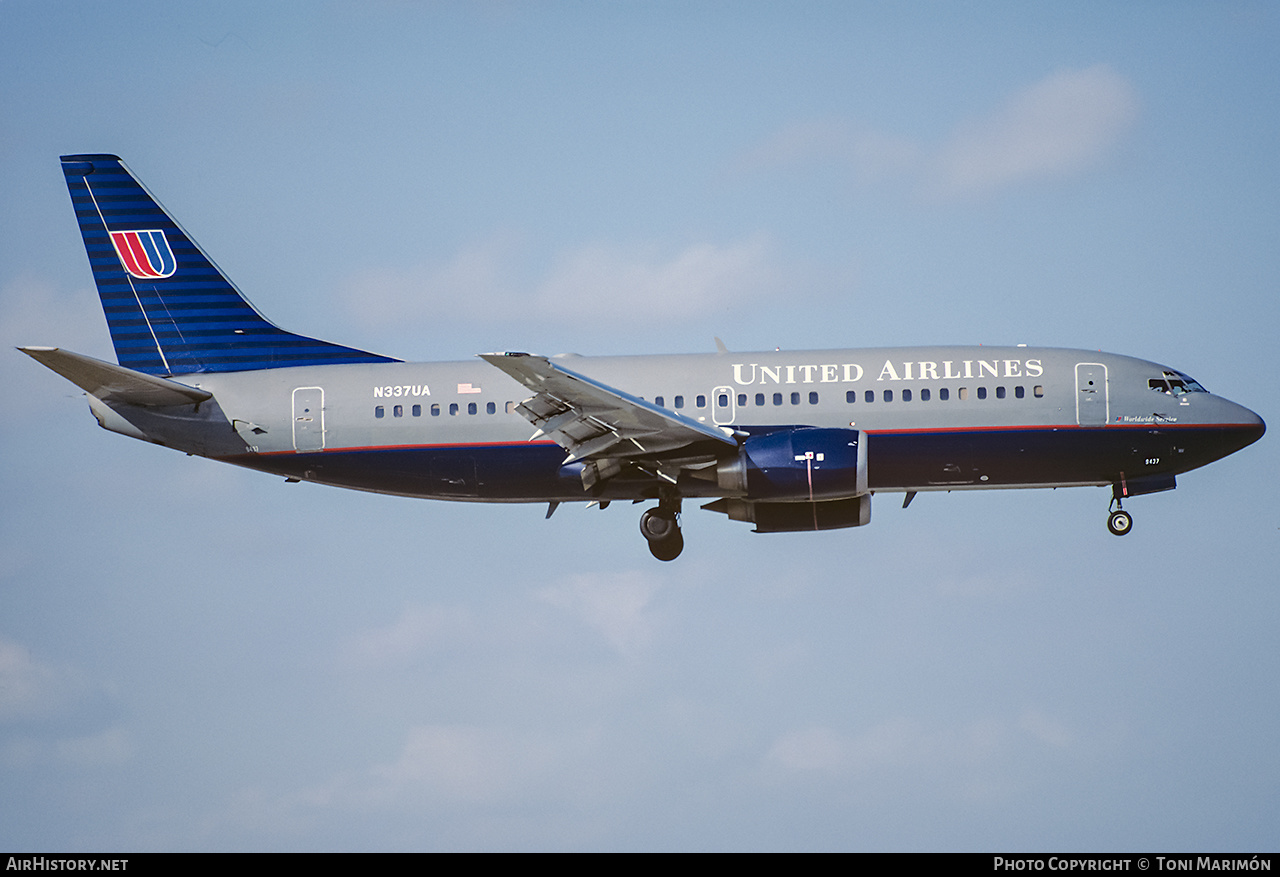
{"points": [[1049, 427], [462, 446], [518, 444]]}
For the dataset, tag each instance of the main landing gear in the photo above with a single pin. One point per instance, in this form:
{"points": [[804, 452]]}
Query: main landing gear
{"points": [[1119, 522], [661, 527]]}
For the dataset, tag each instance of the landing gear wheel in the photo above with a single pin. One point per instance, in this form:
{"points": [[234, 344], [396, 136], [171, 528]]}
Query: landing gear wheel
{"points": [[1120, 522], [662, 531], [669, 548], [658, 524]]}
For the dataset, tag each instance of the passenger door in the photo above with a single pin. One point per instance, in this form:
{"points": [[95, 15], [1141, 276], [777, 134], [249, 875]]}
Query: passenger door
{"points": [[308, 419], [1091, 394], [723, 408]]}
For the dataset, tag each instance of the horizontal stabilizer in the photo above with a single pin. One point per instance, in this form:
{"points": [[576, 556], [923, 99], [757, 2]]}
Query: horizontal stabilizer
{"points": [[115, 383]]}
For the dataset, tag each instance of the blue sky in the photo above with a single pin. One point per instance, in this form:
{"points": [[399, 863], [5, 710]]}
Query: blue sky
{"points": [[194, 657]]}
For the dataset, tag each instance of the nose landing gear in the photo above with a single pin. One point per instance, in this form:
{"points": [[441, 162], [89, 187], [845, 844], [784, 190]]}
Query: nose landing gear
{"points": [[661, 527], [1119, 522]]}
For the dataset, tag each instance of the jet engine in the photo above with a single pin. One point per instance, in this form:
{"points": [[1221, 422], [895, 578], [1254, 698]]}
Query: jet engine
{"points": [[797, 479], [797, 465]]}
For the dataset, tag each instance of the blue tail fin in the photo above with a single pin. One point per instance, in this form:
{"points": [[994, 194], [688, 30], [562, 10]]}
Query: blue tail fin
{"points": [[169, 308]]}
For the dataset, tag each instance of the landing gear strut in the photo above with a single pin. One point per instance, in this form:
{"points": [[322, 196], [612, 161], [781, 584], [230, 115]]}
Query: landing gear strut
{"points": [[1119, 522], [661, 527]]}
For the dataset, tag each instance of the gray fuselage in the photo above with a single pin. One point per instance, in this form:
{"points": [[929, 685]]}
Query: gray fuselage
{"points": [[935, 418]]}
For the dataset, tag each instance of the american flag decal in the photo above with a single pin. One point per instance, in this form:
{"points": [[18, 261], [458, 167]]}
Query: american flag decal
{"points": [[144, 254]]}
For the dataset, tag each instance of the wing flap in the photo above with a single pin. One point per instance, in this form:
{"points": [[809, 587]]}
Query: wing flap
{"points": [[592, 420]]}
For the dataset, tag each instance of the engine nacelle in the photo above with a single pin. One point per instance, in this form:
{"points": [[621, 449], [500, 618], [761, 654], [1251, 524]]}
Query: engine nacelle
{"points": [[793, 517], [798, 465]]}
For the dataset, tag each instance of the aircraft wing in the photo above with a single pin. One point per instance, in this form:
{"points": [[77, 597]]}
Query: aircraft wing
{"points": [[593, 421]]}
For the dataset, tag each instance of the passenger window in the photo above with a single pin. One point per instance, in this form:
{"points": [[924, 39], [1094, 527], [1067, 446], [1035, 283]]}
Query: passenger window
{"points": [[660, 401], [851, 396], [490, 408], [924, 395], [1039, 391], [700, 401], [417, 410], [378, 411], [906, 395], [397, 411], [511, 407], [435, 410], [1019, 392], [777, 398], [795, 398], [471, 408], [964, 393], [982, 392], [760, 398], [999, 392], [870, 395], [943, 394], [724, 400], [453, 408], [888, 395], [679, 401], [742, 399]]}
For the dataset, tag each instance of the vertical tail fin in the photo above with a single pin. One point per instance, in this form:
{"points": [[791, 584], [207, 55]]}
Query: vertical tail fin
{"points": [[169, 308]]}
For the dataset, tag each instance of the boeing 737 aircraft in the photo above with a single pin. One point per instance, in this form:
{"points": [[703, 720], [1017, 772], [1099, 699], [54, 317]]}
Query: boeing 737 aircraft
{"points": [[787, 441]]}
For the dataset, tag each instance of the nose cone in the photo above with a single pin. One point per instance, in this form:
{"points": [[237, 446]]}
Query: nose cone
{"points": [[1254, 428], [1247, 428], [1223, 429]]}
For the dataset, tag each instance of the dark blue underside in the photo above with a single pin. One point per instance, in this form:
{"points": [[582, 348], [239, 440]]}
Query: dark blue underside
{"points": [[896, 461]]}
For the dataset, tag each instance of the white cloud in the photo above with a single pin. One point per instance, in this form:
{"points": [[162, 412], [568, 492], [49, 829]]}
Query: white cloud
{"points": [[464, 774], [31, 689], [112, 746], [624, 283], [1047, 730], [35, 311], [1058, 126], [617, 606], [478, 279], [418, 628], [637, 284], [811, 749], [823, 750], [903, 744], [461, 763], [872, 155]]}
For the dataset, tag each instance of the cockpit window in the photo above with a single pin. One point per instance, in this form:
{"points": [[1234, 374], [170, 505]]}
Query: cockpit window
{"points": [[1175, 384]]}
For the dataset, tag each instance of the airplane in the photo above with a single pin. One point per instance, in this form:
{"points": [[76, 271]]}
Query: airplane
{"points": [[788, 441]]}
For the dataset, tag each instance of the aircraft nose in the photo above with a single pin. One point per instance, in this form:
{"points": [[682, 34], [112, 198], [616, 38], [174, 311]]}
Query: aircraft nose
{"points": [[1248, 427], [1256, 427]]}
